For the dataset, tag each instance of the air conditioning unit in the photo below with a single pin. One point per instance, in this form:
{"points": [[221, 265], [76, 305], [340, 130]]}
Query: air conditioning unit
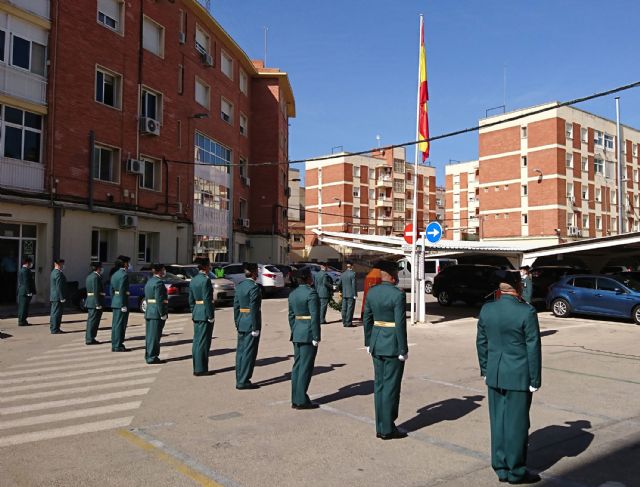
{"points": [[128, 221], [149, 126], [135, 166], [575, 232], [206, 58], [182, 37], [246, 222]]}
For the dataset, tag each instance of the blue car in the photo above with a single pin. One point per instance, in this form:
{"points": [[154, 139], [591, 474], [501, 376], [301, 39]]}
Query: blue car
{"points": [[600, 295]]}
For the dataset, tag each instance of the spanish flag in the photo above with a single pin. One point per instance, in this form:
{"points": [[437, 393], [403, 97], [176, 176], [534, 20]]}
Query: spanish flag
{"points": [[423, 97]]}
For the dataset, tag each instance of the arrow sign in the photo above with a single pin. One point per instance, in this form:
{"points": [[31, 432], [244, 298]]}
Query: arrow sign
{"points": [[433, 233]]}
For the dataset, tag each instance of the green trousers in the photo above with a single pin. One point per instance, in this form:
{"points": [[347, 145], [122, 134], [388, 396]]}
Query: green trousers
{"points": [[202, 333], [118, 328], [246, 353], [324, 303], [93, 322], [509, 417], [386, 390], [23, 309], [303, 362], [153, 333], [55, 319], [348, 307]]}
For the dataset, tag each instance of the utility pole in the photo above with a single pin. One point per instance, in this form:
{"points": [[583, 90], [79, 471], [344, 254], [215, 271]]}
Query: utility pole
{"points": [[621, 168]]}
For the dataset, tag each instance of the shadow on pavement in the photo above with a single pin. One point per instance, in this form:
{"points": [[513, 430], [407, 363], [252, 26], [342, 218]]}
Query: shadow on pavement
{"points": [[549, 445], [142, 337], [212, 353], [323, 369], [4, 335], [363, 388], [547, 333], [447, 410]]}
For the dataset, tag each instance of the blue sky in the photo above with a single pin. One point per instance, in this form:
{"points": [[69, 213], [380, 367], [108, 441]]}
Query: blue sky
{"points": [[353, 63]]}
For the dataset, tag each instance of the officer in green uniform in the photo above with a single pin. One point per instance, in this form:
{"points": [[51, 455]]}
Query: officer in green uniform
{"points": [[26, 290], [527, 284], [347, 286], [94, 302], [247, 315], [156, 314], [324, 287], [203, 316], [304, 320], [119, 303], [509, 352], [57, 296], [385, 336]]}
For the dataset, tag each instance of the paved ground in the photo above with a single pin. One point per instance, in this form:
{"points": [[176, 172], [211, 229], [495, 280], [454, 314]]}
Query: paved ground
{"points": [[76, 415]]}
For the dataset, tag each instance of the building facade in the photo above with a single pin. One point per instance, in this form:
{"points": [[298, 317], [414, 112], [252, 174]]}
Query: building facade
{"points": [[440, 206], [371, 195], [462, 210], [296, 217]]}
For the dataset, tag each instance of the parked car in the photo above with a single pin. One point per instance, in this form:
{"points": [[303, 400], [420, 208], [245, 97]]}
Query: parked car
{"points": [[543, 276], [224, 290], [287, 273], [599, 295], [431, 269], [466, 282], [333, 273], [270, 279], [614, 269]]}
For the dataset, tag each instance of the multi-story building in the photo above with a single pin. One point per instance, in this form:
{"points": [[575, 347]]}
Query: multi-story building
{"points": [[296, 217], [371, 195], [551, 176], [461, 221], [440, 199]]}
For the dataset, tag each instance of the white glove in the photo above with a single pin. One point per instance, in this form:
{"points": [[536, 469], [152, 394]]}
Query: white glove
{"points": [[255, 333], [484, 378], [532, 389], [164, 317], [403, 358], [368, 350], [62, 300], [212, 320], [30, 294], [123, 309], [98, 307], [314, 343]]}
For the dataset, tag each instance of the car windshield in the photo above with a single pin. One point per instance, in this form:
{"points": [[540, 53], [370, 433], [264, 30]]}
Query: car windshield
{"points": [[630, 283], [187, 271], [271, 268]]}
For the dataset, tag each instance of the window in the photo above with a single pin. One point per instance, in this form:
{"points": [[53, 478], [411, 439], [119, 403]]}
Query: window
{"points": [[100, 245], [608, 142], [110, 14], [144, 251], [244, 124], [372, 194], [28, 55], [150, 179], [398, 166], [2, 38], [398, 185], [525, 190], [21, 133], [108, 88], [211, 152], [612, 198], [105, 164], [202, 93], [570, 190], [634, 146], [226, 111], [584, 282], [569, 159], [244, 168], [151, 104], [523, 159], [585, 221], [585, 164], [525, 219], [523, 132], [584, 134], [356, 212], [598, 138], [398, 204], [226, 65], [598, 223], [202, 41], [598, 195], [569, 130], [153, 37], [210, 194], [372, 214], [244, 209], [356, 191], [244, 82], [635, 175], [585, 193], [598, 165], [608, 285], [356, 171]]}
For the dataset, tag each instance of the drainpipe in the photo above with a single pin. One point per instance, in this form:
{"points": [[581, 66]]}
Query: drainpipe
{"points": [[92, 146], [166, 184]]}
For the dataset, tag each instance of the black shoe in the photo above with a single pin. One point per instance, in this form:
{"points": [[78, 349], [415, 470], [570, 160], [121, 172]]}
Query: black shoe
{"points": [[503, 479], [248, 385], [57, 332], [156, 361], [202, 374], [93, 342], [123, 349], [310, 405], [529, 478], [24, 324], [395, 434]]}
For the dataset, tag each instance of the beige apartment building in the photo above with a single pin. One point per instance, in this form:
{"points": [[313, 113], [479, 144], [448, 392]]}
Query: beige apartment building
{"points": [[548, 177], [370, 195]]}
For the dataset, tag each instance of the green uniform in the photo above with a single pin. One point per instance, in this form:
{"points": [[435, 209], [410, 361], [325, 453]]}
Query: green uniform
{"points": [[57, 289], [324, 288], [247, 315], [349, 294], [26, 290], [202, 314], [527, 289], [93, 303], [385, 333], [509, 352], [155, 293], [119, 302], [304, 320]]}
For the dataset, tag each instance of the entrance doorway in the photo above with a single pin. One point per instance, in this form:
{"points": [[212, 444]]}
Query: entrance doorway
{"points": [[9, 264]]}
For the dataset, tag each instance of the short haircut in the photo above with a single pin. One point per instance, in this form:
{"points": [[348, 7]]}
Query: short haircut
{"points": [[387, 266], [124, 258], [118, 264], [27, 260], [303, 275], [203, 264], [58, 261], [96, 265], [157, 267]]}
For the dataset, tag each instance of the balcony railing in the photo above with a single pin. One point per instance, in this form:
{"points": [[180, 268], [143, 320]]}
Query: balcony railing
{"points": [[384, 203], [384, 182], [22, 84], [23, 175]]}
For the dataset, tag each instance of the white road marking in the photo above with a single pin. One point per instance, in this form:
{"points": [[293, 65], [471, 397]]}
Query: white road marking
{"points": [[75, 373], [68, 356], [112, 360]]}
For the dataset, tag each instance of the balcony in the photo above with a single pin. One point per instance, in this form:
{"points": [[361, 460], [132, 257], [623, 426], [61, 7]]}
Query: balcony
{"points": [[22, 175], [384, 182], [384, 222], [384, 203], [22, 84]]}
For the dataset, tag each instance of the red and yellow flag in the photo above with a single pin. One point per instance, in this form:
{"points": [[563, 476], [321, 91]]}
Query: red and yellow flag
{"points": [[423, 113]]}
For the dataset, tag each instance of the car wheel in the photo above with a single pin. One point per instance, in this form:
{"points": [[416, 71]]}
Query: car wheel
{"points": [[143, 305], [444, 299], [636, 315], [428, 287], [560, 308]]}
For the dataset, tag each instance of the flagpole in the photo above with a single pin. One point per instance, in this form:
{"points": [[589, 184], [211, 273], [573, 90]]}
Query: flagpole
{"points": [[414, 266]]}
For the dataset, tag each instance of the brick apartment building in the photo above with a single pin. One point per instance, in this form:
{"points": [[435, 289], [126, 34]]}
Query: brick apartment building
{"points": [[370, 195], [116, 124], [548, 177], [461, 220], [296, 217]]}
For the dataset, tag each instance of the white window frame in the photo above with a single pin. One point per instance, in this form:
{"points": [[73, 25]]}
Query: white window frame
{"points": [[524, 161], [595, 166], [158, 108], [161, 32], [523, 132], [569, 160], [117, 90], [244, 124], [199, 47], [119, 21], [568, 127], [115, 163], [23, 128], [244, 82], [598, 195], [207, 89], [598, 138], [356, 212], [356, 191], [229, 64], [157, 174], [584, 162], [226, 117], [585, 222], [356, 171], [11, 61], [608, 142], [634, 148], [585, 193], [598, 223], [584, 135]]}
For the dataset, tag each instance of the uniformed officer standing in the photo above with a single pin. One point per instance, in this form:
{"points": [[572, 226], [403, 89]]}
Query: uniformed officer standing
{"points": [[156, 314], [247, 315], [349, 294], [119, 303], [527, 283], [304, 320], [324, 287], [57, 297], [94, 302], [26, 290], [203, 316], [509, 352], [385, 336]]}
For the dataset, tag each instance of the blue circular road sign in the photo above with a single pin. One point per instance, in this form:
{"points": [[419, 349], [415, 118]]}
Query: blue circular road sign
{"points": [[433, 233]]}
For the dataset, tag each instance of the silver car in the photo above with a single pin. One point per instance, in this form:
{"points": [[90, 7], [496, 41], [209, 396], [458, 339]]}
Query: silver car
{"points": [[224, 290]]}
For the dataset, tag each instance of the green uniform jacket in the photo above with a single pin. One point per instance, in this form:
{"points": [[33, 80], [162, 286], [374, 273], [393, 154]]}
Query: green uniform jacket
{"points": [[508, 344], [386, 303], [304, 302], [347, 284], [120, 288], [57, 285], [322, 283], [26, 282], [201, 298], [527, 289], [248, 296], [155, 293], [95, 291]]}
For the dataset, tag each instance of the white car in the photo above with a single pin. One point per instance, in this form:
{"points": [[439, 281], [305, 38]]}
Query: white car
{"points": [[270, 279]]}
